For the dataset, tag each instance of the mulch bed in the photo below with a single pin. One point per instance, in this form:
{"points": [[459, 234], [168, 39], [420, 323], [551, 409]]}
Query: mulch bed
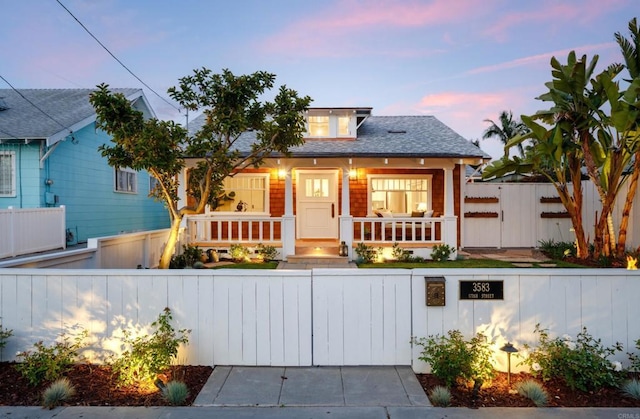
{"points": [[497, 394], [95, 385]]}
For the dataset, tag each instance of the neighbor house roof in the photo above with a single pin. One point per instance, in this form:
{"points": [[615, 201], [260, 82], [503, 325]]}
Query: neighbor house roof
{"points": [[382, 136], [52, 114]]}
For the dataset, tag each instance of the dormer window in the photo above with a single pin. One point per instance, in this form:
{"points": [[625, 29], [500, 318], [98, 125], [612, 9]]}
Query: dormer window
{"points": [[343, 126], [319, 126]]}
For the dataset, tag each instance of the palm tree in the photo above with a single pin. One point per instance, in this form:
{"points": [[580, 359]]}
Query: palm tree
{"points": [[507, 129]]}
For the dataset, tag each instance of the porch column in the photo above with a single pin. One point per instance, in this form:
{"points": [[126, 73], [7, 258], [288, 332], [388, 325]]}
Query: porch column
{"points": [[450, 223], [346, 220], [288, 219]]}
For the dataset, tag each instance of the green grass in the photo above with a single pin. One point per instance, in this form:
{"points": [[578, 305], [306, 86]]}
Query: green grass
{"points": [[461, 263], [249, 265]]}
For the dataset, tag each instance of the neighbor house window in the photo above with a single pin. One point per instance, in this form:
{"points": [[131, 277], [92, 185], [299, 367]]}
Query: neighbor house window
{"points": [[319, 126], [153, 183], [7, 173], [400, 194], [126, 180], [245, 193]]}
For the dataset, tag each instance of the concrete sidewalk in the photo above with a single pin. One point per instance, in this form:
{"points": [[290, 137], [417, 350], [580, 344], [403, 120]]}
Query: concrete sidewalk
{"points": [[311, 393]]}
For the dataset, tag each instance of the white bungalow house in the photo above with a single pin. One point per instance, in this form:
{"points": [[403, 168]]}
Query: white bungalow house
{"points": [[358, 178]]}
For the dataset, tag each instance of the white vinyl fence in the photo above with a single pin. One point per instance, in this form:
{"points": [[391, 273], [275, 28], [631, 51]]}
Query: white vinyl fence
{"points": [[524, 214], [31, 230], [314, 317]]}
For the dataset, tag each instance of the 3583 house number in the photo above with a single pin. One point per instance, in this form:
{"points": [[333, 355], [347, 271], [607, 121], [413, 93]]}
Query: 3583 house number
{"points": [[481, 290]]}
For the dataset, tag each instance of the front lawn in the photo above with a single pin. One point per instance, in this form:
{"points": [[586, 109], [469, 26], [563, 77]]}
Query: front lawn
{"points": [[467, 263]]}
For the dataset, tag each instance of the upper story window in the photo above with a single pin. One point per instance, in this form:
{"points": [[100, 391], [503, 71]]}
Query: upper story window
{"points": [[7, 173], [343, 126], [319, 126], [400, 194], [245, 193], [126, 180]]}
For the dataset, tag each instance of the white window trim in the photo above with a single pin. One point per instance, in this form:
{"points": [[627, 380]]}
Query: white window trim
{"points": [[12, 162], [115, 180], [370, 177], [334, 125], [267, 198]]}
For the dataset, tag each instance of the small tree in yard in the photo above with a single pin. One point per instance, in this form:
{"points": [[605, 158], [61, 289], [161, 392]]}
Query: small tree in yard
{"points": [[232, 105]]}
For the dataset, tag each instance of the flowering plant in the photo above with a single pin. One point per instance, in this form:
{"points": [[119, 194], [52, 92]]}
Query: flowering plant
{"points": [[582, 362]]}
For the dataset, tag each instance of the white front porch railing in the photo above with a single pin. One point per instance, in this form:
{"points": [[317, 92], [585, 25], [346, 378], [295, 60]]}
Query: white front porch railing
{"points": [[243, 228], [397, 229]]}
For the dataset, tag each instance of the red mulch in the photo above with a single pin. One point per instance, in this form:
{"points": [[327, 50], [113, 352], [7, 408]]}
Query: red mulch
{"points": [[497, 394], [95, 385]]}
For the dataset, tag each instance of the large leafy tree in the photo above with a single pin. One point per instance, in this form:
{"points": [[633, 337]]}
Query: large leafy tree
{"points": [[507, 129], [232, 105]]}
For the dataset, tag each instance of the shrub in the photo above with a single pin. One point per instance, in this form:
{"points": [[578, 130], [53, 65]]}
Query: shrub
{"points": [[59, 391], [175, 393], [400, 254], [440, 396], [366, 253], [50, 362], [451, 358], [441, 252], [631, 388], [635, 358], [189, 256], [266, 253], [4, 335], [534, 391], [557, 250], [239, 253], [582, 363], [151, 354]]}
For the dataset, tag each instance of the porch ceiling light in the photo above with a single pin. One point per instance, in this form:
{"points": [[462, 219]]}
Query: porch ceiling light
{"points": [[282, 174]]}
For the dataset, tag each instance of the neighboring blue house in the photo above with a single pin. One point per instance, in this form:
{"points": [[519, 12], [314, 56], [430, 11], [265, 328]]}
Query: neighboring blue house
{"points": [[49, 157]]}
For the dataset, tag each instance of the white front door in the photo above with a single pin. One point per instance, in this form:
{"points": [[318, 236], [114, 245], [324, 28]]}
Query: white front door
{"points": [[317, 204]]}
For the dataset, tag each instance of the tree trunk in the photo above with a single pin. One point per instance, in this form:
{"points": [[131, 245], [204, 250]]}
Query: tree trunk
{"points": [[170, 246], [628, 204]]}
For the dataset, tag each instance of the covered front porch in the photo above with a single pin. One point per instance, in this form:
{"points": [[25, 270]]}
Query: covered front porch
{"points": [[312, 205]]}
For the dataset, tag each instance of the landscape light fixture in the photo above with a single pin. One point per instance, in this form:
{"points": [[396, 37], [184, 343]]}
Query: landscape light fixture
{"points": [[509, 349]]}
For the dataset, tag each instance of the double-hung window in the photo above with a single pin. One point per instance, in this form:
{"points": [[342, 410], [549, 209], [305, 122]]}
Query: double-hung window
{"points": [[245, 193], [126, 180], [319, 126], [7, 173], [399, 193]]}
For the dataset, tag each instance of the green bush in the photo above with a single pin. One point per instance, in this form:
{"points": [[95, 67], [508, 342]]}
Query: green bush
{"points": [[582, 363], [557, 250], [59, 391], [367, 253], [175, 393], [149, 355], [239, 253], [400, 254], [452, 358], [441, 252], [267, 253], [189, 256], [50, 362], [631, 388], [4, 335], [635, 358]]}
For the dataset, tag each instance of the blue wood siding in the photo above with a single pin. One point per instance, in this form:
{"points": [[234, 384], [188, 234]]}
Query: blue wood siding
{"points": [[84, 182], [29, 187]]}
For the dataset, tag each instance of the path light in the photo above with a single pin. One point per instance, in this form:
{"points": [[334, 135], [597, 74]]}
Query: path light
{"points": [[509, 349]]}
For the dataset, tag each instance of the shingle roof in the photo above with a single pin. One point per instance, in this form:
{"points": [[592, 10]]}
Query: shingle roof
{"points": [[382, 136], [63, 107]]}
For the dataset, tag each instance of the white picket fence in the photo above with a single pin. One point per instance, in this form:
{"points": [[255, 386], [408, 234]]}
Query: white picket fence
{"points": [[31, 230], [518, 221], [313, 317]]}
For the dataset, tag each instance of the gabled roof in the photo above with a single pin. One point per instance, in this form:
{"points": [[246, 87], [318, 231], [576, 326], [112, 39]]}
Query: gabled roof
{"points": [[57, 112], [382, 136]]}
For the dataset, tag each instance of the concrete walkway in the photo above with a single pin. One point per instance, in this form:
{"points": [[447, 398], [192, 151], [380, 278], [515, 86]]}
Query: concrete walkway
{"points": [[312, 393]]}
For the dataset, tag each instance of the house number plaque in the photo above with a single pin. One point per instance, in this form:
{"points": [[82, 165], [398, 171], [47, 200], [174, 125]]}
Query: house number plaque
{"points": [[435, 291], [482, 290]]}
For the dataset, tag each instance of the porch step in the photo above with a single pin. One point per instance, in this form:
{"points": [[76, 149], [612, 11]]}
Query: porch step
{"points": [[311, 259]]}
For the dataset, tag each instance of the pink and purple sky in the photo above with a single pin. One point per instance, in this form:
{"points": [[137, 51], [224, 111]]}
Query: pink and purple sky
{"points": [[462, 61]]}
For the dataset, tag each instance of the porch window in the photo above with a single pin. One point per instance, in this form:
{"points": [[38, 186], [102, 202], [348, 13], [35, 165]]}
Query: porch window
{"points": [[126, 180], [7, 173], [319, 126], [245, 193], [399, 194]]}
